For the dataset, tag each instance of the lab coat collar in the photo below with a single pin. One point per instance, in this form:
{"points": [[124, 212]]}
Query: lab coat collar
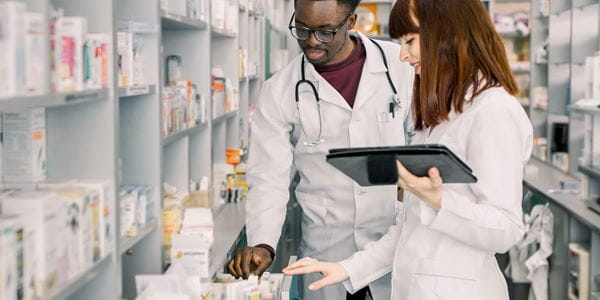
{"points": [[367, 87], [374, 61]]}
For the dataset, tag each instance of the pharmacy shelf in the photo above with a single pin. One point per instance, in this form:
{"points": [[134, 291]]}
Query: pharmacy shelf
{"points": [[589, 171], [176, 22], [229, 223], [52, 100], [128, 242], [513, 35], [221, 33], [520, 67], [546, 181], [186, 132], [137, 90], [585, 109], [224, 117], [74, 284]]}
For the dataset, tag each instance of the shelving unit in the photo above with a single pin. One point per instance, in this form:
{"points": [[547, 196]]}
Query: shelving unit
{"points": [[52, 100], [571, 28], [115, 133]]}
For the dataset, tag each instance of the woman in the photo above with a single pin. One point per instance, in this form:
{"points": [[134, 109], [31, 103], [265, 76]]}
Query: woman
{"points": [[444, 243]]}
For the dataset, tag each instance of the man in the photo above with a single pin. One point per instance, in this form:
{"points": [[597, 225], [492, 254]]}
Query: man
{"points": [[338, 93]]}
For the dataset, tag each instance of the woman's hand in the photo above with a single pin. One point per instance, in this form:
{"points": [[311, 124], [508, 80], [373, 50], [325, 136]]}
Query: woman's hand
{"points": [[428, 189], [332, 272]]}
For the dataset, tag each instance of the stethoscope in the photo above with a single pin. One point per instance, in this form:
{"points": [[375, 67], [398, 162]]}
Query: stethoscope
{"points": [[393, 105]]}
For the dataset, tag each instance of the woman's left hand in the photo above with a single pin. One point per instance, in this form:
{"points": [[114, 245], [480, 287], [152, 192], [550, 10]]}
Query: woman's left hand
{"points": [[428, 189]]}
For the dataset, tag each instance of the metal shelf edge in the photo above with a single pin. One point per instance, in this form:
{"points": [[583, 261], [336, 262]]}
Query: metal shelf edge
{"points": [[130, 242], [137, 90], [186, 132], [226, 116], [52, 100], [78, 281], [171, 21]]}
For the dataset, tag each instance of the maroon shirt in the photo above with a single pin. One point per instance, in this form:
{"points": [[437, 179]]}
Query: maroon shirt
{"points": [[345, 75]]}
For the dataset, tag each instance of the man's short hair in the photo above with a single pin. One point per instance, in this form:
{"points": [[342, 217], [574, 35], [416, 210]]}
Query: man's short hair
{"points": [[350, 5]]}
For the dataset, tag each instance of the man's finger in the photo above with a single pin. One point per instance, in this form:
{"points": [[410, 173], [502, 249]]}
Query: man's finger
{"points": [[246, 260], [237, 264], [263, 265], [230, 269]]}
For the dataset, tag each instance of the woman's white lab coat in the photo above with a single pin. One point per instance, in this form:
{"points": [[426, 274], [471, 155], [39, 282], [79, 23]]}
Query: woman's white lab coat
{"points": [[449, 254], [339, 216]]}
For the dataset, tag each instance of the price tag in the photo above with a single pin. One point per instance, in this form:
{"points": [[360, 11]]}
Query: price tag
{"points": [[137, 90]]}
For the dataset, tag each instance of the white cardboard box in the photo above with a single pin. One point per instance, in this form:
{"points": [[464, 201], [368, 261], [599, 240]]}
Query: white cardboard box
{"points": [[36, 59], [12, 32], [69, 38], [41, 211], [24, 146]]}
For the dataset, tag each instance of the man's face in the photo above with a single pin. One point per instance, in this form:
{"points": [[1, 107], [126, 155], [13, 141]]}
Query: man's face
{"points": [[322, 15]]}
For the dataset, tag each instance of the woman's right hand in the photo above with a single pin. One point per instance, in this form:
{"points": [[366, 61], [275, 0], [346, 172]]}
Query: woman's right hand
{"points": [[332, 272]]}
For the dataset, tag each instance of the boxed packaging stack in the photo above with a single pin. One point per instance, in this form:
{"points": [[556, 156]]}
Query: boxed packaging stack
{"points": [[197, 9], [192, 246], [174, 202], [42, 215], [22, 64], [268, 287], [36, 82], [131, 57], [80, 60], [96, 61], [104, 190], [67, 228], [69, 38], [12, 270], [231, 19], [24, 146], [183, 107], [82, 220], [137, 204], [218, 11], [225, 96]]}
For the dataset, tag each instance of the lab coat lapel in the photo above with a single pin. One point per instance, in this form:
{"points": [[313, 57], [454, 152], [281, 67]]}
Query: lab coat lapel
{"points": [[373, 74], [327, 92]]}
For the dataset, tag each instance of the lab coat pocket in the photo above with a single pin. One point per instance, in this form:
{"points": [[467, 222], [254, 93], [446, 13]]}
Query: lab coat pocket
{"points": [[391, 129], [436, 279]]}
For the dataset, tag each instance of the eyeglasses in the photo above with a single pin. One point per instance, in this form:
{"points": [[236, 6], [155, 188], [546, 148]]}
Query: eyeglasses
{"points": [[322, 35]]}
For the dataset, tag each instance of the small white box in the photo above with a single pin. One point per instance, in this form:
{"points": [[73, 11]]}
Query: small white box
{"points": [[105, 192], [11, 258], [69, 38], [79, 223], [36, 59], [218, 9], [41, 211], [12, 63], [193, 253], [24, 147], [177, 7], [125, 50]]}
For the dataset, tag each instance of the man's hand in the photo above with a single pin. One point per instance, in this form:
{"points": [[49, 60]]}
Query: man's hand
{"points": [[249, 260]]}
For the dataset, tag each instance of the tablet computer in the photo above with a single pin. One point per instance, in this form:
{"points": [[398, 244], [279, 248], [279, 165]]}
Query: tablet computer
{"points": [[370, 166]]}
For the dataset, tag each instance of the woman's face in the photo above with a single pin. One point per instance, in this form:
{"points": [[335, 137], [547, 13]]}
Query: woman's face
{"points": [[411, 51]]}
